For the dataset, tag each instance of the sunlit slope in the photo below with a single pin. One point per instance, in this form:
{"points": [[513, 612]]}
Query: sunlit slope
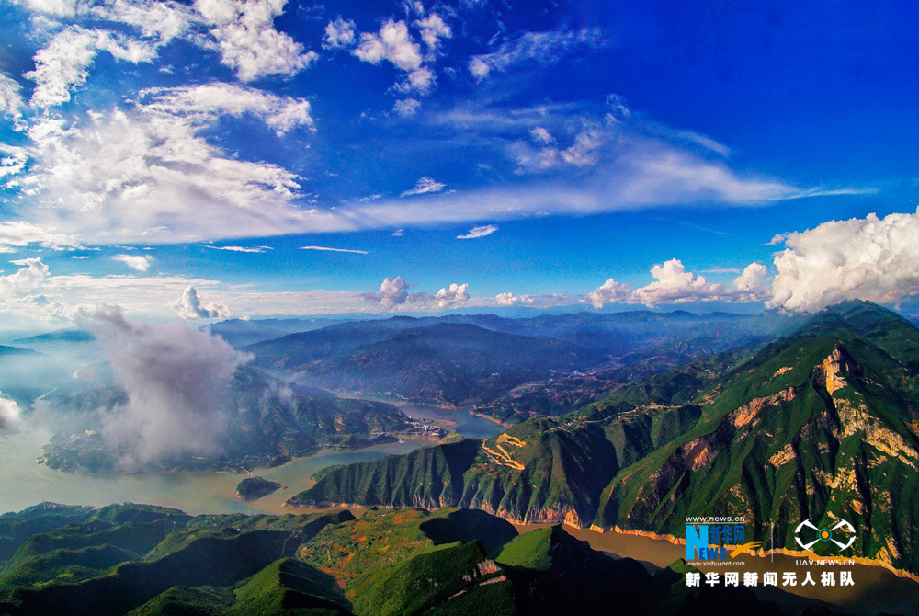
{"points": [[819, 426]]}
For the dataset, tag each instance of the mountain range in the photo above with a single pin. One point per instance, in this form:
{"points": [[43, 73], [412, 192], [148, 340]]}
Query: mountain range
{"points": [[818, 425]]}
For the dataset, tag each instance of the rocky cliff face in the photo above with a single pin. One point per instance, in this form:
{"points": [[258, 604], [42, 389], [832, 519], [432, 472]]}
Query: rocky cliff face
{"points": [[821, 428]]}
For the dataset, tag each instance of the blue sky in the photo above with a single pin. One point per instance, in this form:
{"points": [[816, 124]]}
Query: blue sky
{"points": [[457, 155]]}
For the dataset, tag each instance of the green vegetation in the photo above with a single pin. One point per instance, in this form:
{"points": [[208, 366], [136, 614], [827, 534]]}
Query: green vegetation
{"points": [[451, 562], [819, 425], [252, 488]]}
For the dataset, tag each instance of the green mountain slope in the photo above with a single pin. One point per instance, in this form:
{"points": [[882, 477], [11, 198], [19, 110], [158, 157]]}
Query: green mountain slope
{"points": [[819, 425], [395, 561], [543, 470]]}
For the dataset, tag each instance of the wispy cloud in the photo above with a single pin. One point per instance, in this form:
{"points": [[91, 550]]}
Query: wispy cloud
{"points": [[423, 186], [248, 249], [480, 231], [330, 249], [543, 48]]}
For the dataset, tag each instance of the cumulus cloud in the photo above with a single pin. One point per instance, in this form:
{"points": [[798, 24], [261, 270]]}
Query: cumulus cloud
{"points": [[393, 293], [451, 297], [248, 40], [9, 413], [542, 48], [205, 103], [752, 281], [674, 284], [64, 63], [176, 378], [480, 231], [139, 263], [535, 301], [394, 44], [610, 292], [339, 33], [424, 185], [190, 307], [869, 258]]}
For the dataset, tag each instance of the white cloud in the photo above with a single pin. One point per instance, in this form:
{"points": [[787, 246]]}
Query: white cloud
{"points": [[14, 235], [151, 177], [861, 258], [203, 104], [451, 297], [610, 292], [248, 249], [541, 135], [139, 263], [33, 294], [393, 293], [57, 8], [161, 20], [751, 280], [424, 185], [534, 301], [406, 107], [339, 33], [433, 30], [476, 232], [190, 307], [9, 413], [64, 63], [328, 249], [543, 48], [673, 284], [11, 102], [13, 160], [248, 40], [26, 280], [394, 44]]}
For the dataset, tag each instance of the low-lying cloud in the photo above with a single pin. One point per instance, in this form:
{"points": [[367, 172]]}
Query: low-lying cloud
{"points": [[9, 413], [177, 380]]}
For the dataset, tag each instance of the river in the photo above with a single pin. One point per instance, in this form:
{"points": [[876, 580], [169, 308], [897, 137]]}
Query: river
{"points": [[27, 483]]}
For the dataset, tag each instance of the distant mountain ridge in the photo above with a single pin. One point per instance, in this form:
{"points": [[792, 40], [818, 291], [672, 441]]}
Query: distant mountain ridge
{"points": [[451, 359]]}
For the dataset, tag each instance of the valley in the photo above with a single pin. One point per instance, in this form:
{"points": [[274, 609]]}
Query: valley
{"points": [[613, 446]]}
